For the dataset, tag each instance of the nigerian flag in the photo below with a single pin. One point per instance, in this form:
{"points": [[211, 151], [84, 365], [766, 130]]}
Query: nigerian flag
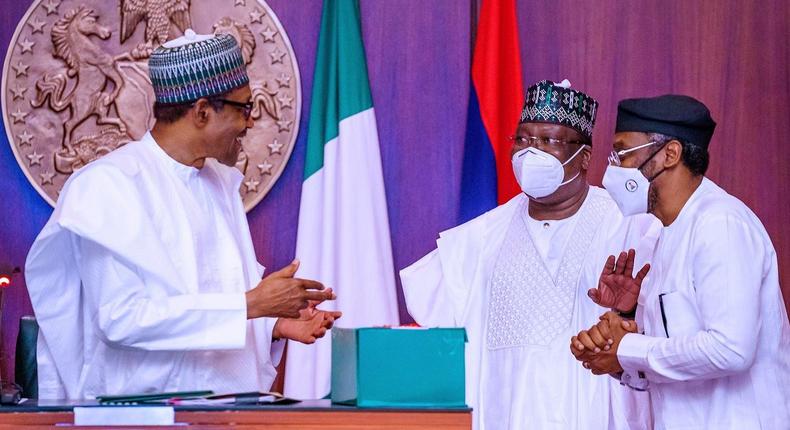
{"points": [[343, 238]]}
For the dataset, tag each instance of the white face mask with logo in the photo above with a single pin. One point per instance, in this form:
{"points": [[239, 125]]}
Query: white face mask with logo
{"points": [[539, 173], [628, 187]]}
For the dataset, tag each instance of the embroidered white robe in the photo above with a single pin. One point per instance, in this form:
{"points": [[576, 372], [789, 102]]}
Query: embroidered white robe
{"points": [[519, 287], [138, 281]]}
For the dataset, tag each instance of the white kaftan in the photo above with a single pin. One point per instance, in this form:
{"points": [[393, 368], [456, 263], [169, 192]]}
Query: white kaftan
{"points": [[519, 287], [138, 280], [716, 344]]}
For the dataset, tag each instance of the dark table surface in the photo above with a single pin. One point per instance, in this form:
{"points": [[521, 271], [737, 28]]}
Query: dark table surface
{"points": [[32, 405]]}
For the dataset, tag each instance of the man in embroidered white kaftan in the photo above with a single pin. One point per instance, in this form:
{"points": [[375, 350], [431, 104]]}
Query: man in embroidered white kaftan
{"points": [[711, 338], [516, 278], [145, 278]]}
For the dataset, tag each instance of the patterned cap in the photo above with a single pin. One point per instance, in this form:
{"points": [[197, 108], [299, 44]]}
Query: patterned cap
{"points": [[559, 104], [194, 66]]}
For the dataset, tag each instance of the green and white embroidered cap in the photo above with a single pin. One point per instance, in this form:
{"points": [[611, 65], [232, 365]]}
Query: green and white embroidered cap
{"points": [[558, 103], [194, 66]]}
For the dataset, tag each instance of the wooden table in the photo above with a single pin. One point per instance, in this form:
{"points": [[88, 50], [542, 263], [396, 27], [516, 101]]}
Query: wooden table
{"points": [[314, 414]]}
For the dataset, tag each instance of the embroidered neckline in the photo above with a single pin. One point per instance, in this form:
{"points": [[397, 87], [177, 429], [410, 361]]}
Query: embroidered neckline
{"points": [[535, 312]]}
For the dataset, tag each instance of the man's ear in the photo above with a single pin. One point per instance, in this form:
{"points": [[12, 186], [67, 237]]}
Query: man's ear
{"points": [[200, 113], [586, 157], [674, 154]]}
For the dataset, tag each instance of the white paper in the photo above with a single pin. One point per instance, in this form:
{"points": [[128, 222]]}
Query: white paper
{"points": [[124, 415]]}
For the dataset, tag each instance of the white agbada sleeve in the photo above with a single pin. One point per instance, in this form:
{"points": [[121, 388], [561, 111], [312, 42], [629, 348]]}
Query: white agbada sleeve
{"points": [[726, 284], [427, 298], [276, 346], [133, 315], [437, 288]]}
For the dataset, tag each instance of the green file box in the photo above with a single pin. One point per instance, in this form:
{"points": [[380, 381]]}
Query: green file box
{"points": [[384, 367]]}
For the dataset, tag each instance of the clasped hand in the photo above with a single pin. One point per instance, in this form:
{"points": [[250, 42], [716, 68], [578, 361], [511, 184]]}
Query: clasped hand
{"points": [[618, 289], [295, 302], [597, 347], [311, 325]]}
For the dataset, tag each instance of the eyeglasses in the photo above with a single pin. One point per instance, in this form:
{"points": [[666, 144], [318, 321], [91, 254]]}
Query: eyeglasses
{"points": [[616, 157], [246, 108], [532, 141]]}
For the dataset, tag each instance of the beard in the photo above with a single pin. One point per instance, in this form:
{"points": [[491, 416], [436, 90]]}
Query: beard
{"points": [[652, 191], [652, 198]]}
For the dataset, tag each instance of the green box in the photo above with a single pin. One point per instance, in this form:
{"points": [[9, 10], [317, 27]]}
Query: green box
{"points": [[381, 367]]}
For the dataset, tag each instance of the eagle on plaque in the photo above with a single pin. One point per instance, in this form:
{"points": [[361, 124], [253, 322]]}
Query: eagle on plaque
{"points": [[158, 15]]}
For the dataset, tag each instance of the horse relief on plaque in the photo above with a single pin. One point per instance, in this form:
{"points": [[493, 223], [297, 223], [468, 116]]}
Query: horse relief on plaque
{"points": [[75, 83]]}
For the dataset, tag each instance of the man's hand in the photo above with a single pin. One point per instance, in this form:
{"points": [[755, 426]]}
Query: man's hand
{"points": [[311, 325], [597, 347], [617, 288], [588, 343], [282, 295]]}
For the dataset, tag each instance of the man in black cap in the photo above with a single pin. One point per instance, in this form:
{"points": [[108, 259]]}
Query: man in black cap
{"points": [[715, 334]]}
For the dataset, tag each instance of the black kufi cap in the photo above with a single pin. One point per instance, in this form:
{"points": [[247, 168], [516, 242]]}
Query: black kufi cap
{"points": [[674, 115]]}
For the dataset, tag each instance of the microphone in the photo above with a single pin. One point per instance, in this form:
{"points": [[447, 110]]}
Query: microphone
{"points": [[5, 282], [6, 274]]}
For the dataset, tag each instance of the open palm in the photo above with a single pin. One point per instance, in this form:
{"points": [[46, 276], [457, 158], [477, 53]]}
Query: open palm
{"points": [[617, 287]]}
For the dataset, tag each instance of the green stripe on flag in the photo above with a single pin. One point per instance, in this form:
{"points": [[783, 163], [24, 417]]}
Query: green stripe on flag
{"points": [[340, 85]]}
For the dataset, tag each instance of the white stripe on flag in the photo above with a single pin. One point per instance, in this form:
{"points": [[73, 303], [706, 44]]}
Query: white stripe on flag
{"points": [[344, 242]]}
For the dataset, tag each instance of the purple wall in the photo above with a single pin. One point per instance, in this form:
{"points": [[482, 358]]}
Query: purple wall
{"points": [[734, 57]]}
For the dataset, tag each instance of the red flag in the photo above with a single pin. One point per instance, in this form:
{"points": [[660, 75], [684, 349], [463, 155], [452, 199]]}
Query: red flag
{"points": [[496, 75]]}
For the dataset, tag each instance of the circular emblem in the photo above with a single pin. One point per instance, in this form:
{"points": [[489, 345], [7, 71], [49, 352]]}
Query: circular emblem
{"points": [[631, 185], [75, 83]]}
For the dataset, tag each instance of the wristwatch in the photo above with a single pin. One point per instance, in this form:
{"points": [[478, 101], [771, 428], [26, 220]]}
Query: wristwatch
{"points": [[629, 315]]}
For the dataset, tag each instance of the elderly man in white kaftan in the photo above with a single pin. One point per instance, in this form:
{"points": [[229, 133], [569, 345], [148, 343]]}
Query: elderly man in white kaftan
{"points": [[145, 277], [711, 337], [516, 279]]}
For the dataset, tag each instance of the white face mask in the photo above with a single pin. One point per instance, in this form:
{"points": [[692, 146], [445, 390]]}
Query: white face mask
{"points": [[628, 187], [539, 173]]}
